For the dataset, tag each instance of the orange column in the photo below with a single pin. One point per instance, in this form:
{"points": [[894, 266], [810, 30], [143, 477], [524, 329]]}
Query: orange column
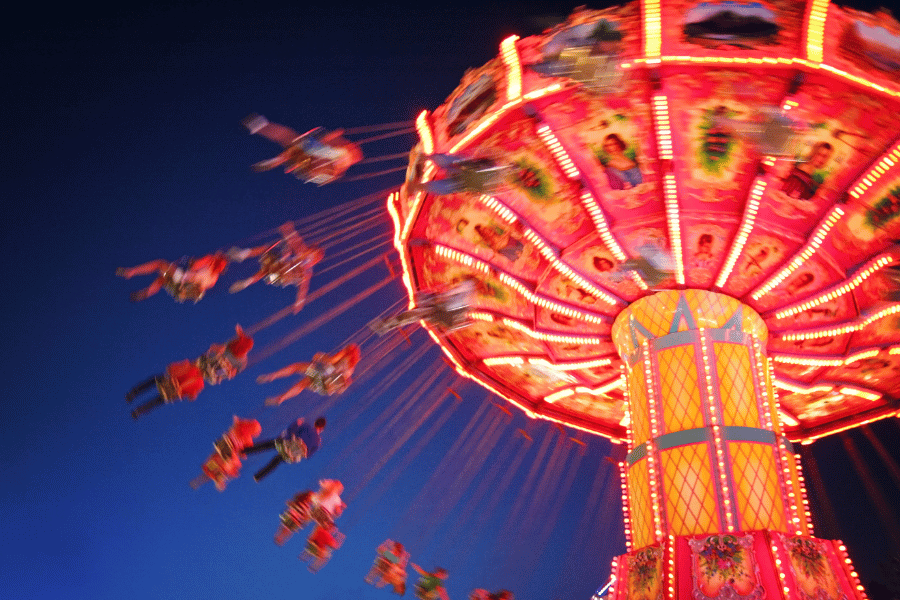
{"points": [[706, 453]]}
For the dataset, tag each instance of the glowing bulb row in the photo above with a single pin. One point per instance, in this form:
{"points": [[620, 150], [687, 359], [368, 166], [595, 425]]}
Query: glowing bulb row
{"points": [[746, 227], [798, 467], [786, 483], [479, 265], [799, 389], [857, 279], [663, 126], [559, 153], [782, 576], [887, 161], [425, 134], [718, 443], [670, 574], [815, 30], [651, 446], [759, 363], [848, 566], [601, 225], [815, 241], [510, 56], [847, 328], [392, 201], [652, 28], [826, 388], [853, 391], [672, 219], [626, 508], [495, 116], [581, 389], [768, 60], [824, 433], [826, 362], [537, 335], [545, 250], [520, 360]]}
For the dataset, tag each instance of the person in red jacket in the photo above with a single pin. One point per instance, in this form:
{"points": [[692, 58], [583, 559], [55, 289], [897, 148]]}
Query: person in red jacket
{"points": [[327, 374], [183, 283], [223, 362], [322, 542], [181, 380], [225, 463]]}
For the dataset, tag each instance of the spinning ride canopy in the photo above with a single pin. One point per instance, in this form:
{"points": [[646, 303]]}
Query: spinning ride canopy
{"points": [[632, 127]]}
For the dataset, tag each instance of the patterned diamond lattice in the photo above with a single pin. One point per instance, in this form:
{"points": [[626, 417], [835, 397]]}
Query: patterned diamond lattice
{"points": [[637, 389], [689, 492], [657, 314], [680, 394], [640, 505], [736, 385], [756, 487]]}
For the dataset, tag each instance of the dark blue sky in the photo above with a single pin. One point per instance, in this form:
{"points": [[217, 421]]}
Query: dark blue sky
{"points": [[124, 145]]}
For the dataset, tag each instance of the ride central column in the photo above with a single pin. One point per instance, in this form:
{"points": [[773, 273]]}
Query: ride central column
{"points": [[706, 464]]}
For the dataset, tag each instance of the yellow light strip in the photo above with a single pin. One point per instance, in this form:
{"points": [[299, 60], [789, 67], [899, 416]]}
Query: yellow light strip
{"points": [[651, 445], [400, 247], [798, 466], [546, 251], [626, 508], [865, 395], [788, 593], [746, 227], [492, 118], [471, 261], [857, 279], [888, 160], [787, 419], [815, 241], [545, 337], [553, 337], [847, 328], [854, 576], [559, 153], [581, 389], [811, 438], [861, 355], [510, 56], [521, 360], [807, 362], [860, 80], [652, 28], [601, 225], [815, 30], [663, 126], [425, 134], [672, 213], [528, 412], [718, 442], [780, 61], [800, 389]]}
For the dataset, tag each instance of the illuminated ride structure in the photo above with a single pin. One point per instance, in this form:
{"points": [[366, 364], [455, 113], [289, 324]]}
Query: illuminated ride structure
{"points": [[758, 145]]}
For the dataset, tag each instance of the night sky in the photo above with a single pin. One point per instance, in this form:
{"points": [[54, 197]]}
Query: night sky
{"points": [[125, 145]]}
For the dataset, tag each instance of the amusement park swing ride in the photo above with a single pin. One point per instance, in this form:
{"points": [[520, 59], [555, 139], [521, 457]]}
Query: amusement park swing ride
{"points": [[674, 225]]}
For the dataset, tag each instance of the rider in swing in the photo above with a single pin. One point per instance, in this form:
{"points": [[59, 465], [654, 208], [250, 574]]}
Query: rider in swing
{"points": [[295, 443], [317, 156], [288, 262], [390, 567], [327, 374], [224, 464], [183, 282]]}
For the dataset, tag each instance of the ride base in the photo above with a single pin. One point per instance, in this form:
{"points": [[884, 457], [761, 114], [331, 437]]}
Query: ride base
{"points": [[713, 496]]}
